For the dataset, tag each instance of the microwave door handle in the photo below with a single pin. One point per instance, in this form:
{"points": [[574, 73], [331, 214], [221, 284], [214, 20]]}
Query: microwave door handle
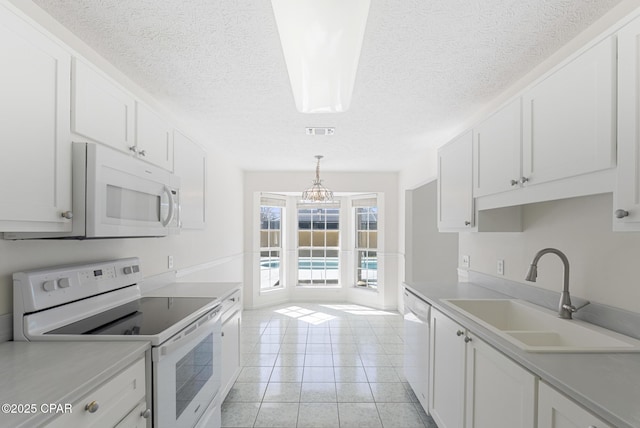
{"points": [[171, 213]]}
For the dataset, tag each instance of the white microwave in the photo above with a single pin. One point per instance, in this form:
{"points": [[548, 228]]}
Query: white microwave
{"points": [[117, 196]]}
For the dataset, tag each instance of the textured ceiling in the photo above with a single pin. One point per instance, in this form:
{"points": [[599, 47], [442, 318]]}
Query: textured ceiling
{"points": [[426, 66]]}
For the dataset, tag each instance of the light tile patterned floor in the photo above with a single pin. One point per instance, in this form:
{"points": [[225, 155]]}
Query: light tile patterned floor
{"points": [[322, 365]]}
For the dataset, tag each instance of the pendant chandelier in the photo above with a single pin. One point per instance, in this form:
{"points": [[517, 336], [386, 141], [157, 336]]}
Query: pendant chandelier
{"points": [[317, 193]]}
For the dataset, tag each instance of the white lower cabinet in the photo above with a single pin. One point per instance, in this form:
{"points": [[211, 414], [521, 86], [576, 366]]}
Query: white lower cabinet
{"points": [[500, 393], [118, 402], [557, 411], [473, 385], [446, 386]]}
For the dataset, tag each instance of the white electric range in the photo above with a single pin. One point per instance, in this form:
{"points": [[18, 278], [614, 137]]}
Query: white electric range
{"points": [[103, 301]]}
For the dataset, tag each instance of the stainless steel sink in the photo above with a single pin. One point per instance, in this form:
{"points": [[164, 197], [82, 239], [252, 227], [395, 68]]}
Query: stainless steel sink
{"points": [[536, 329]]}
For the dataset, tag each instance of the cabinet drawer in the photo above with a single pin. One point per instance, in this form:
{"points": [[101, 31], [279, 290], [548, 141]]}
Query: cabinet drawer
{"points": [[115, 399]]}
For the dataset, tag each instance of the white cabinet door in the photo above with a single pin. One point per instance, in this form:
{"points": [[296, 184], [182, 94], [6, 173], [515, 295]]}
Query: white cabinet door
{"points": [[497, 147], [154, 142], [447, 371], [500, 393], [230, 351], [455, 183], [569, 118], [101, 110], [627, 194], [35, 166], [190, 164], [557, 411]]}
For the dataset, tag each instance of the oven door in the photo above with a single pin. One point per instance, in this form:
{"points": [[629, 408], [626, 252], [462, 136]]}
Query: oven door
{"points": [[186, 373], [127, 197]]}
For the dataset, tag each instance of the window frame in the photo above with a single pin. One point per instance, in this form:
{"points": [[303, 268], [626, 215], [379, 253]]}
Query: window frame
{"points": [[298, 248], [271, 201]]}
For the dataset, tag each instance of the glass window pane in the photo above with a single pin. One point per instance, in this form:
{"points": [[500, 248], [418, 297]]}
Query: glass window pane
{"points": [[304, 239]]}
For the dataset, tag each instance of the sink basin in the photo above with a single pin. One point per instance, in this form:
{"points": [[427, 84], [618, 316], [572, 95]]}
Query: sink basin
{"points": [[536, 329]]}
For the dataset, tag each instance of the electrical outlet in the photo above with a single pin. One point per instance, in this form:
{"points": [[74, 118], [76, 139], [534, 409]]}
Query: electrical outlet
{"points": [[466, 262], [500, 267], [170, 262]]}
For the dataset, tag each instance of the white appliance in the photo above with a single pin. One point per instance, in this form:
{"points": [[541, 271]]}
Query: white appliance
{"points": [[417, 315], [117, 196], [102, 301]]}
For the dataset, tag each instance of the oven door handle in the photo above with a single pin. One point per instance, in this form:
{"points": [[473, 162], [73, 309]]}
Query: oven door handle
{"points": [[187, 334]]}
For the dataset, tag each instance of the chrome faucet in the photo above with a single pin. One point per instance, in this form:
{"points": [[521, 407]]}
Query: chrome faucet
{"points": [[565, 308]]}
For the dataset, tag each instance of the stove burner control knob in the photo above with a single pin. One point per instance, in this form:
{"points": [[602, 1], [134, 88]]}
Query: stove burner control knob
{"points": [[64, 283], [127, 270], [49, 285]]}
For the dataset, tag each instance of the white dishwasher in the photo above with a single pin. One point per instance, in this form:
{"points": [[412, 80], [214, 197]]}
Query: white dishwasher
{"points": [[417, 314]]}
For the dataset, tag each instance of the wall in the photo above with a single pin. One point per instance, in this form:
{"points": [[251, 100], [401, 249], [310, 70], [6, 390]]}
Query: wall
{"points": [[218, 247], [430, 255], [602, 263], [281, 182]]}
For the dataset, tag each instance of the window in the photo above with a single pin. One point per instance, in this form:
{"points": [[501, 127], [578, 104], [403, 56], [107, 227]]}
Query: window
{"points": [[366, 254], [318, 246], [270, 246]]}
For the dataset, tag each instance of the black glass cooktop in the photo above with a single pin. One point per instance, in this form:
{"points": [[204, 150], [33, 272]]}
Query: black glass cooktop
{"points": [[145, 316]]}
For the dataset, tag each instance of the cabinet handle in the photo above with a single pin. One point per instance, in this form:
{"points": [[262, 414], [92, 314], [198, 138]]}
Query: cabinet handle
{"points": [[621, 213], [142, 152], [467, 339], [92, 407], [67, 214], [146, 413], [134, 149], [514, 182], [467, 223], [523, 180], [222, 334], [459, 333]]}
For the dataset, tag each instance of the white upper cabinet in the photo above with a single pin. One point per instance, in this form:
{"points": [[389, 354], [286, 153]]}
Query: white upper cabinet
{"points": [[627, 195], [101, 110], [154, 142], [191, 167], [497, 147], [35, 166], [569, 118], [455, 183]]}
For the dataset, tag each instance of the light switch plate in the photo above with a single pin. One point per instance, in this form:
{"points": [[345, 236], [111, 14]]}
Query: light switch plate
{"points": [[466, 261], [170, 262], [500, 267]]}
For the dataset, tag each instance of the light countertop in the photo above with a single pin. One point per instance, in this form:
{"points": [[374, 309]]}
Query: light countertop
{"points": [[57, 372], [608, 384]]}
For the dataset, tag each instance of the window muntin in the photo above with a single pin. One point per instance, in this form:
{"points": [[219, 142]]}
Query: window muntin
{"points": [[318, 246], [366, 230], [270, 247]]}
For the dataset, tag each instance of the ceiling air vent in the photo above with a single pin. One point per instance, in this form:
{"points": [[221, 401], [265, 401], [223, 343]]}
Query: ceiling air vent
{"points": [[320, 131]]}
